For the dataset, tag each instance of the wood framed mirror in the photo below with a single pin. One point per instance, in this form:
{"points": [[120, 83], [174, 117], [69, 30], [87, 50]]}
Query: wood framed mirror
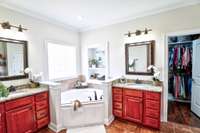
{"points": [[138, 56], [13, 59]]}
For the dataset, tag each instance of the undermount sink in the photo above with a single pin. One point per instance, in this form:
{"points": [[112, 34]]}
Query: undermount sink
{"points": [[135, 84], [130, 83], [19, 91]]}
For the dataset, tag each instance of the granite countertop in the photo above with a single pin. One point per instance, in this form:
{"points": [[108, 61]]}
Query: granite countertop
{"points": [[96, 81], [147, 87], [23, 93]]}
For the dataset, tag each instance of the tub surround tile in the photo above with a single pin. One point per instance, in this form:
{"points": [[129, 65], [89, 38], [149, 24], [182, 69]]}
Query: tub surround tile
{"points": [[23, 93]]}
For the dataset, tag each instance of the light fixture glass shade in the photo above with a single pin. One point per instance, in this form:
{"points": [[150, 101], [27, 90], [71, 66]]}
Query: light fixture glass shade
{"points": [[6, 25]]}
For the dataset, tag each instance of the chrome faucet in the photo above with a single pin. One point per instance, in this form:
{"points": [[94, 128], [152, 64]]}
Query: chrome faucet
{"points": [[101, 97], [95, 95], [78, 84], [90, 98], [137, 81]]}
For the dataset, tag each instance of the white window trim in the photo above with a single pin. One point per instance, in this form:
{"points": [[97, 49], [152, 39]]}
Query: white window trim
{"points": [[46, 67]]}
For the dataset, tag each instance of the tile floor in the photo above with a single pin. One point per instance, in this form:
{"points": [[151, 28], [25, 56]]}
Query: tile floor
{"points": [[120, 126]]}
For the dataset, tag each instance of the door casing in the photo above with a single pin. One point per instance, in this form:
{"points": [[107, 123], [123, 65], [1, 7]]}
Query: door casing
{"points": [[165, 82]]}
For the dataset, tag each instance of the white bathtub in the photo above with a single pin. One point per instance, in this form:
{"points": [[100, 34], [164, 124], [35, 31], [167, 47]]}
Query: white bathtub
{"points": [[91, 112]]}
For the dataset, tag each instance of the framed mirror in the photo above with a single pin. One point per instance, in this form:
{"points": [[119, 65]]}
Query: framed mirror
{"points": [[138, 57], [13, 59]]}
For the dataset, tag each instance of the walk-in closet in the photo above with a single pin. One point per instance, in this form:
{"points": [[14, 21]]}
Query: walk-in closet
{"points": [[183, 56]]}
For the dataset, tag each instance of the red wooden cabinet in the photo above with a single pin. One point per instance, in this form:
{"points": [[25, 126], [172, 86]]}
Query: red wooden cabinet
{"points": [[20, 120], [137, 106], [133, 109], [151, 115], [2, 119], [25, 115], [117, 102], [42, 110]]}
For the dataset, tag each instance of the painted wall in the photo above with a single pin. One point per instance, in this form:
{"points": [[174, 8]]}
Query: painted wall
{"points": [[38, 33], [181, 19], [171, 21]]}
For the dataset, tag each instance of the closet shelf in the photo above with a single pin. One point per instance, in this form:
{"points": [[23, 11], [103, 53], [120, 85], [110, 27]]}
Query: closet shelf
{"points": [[172, 98], [174, 43], [180, 100]]}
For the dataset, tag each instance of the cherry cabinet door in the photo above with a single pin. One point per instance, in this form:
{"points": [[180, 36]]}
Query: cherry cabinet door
{"points": [[2, 119], [133, 109], [2, 123], [20, 120]]}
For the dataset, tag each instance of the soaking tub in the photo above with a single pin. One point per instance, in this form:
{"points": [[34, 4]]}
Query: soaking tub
{"points": [[90, 113]]}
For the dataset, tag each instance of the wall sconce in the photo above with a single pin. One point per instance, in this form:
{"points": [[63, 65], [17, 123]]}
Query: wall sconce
{"points": [[7, 25], [138, 32]]}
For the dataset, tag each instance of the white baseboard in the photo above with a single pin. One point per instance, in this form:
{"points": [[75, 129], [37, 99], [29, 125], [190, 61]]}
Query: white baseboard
{"points": [[55, 128], [108, 121]]}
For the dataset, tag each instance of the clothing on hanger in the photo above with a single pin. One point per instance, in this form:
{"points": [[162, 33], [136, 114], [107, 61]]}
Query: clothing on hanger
{"points": [[180, 65]]}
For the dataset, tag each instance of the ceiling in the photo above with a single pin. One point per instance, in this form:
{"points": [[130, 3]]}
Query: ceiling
{"points": [[89, 14]]}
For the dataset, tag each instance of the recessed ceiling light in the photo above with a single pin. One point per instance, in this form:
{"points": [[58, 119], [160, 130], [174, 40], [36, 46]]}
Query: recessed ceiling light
{"points": [[80, 18]]}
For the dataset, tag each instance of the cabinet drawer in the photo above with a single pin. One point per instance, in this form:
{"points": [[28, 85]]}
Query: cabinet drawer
{"points": [[134, 93], [152, 104], [152, 113], [117, 97], [117, 90], [152, 95], [151, 122], [117, 105], [42, 113], [41, 105], [19, 103], [41, 96], [42, 122], [117, 113]]}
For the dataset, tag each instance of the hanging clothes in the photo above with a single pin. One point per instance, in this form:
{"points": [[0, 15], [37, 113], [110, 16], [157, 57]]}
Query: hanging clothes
{"points": [[186, 57], [171, 57], [180, 65], [182, 88]]}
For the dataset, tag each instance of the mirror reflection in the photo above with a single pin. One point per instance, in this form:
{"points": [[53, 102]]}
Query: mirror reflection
{"points": [[139, 56], [12, 58]]}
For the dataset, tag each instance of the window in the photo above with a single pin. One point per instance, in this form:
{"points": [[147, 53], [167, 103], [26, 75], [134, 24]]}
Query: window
{"points": [[61, 61]]}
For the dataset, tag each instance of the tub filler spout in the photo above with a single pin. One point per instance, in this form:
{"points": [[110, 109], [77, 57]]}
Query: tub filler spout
{"points": [[77, 104], [95, 95]]}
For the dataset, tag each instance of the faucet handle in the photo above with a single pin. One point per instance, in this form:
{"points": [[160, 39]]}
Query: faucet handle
{"points": [[90, 98], [101, 97]]}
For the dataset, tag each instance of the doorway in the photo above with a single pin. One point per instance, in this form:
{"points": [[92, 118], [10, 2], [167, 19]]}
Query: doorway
{"points": [[182, 68]]}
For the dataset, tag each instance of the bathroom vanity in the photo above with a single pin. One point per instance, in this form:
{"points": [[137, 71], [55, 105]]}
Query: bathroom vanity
{"points": [[26, 111], [137, 103]]}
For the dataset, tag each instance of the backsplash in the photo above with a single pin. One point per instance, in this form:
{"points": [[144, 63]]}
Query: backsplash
{"points": [[133, 81], [18, 82], [69, 83]]}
